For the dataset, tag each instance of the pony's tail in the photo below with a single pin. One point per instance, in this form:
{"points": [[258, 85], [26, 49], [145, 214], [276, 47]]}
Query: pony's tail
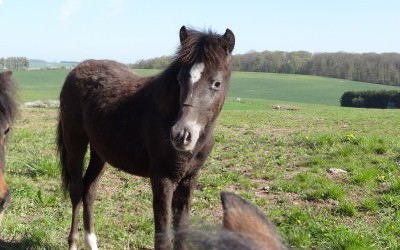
{"points": [[65, 176]]}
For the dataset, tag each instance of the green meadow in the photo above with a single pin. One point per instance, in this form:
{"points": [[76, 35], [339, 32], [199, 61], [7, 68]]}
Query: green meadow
{"points": [[278, 158], [46, 84]]}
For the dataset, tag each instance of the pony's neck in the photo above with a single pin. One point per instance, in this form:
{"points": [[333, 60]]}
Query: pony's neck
{"points": [[171, 71], [166, 92]]}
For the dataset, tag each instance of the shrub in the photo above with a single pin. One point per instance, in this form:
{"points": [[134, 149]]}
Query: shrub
{"points": [[371, 99], [394, 102]]}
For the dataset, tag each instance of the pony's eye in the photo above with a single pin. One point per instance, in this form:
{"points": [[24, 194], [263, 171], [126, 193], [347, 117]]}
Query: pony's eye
{"points": [[216, 85]]}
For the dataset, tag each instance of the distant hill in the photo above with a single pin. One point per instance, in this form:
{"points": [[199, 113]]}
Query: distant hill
{"points": [[42, 64], [46, 85]]}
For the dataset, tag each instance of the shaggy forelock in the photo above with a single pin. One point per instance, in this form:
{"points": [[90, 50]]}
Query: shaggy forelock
{"points": [[203, 47]]}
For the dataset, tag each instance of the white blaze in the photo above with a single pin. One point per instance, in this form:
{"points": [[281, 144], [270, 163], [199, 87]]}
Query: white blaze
{"points": [[91, 241], [196, 71]]}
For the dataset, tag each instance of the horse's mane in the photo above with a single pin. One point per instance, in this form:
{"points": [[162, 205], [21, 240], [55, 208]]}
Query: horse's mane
{"points": [[206, 47], [8, 105]]}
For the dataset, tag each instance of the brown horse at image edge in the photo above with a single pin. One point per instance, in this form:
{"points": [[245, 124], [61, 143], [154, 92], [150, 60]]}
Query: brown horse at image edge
{"points": [[158, 127], [8, 110]]}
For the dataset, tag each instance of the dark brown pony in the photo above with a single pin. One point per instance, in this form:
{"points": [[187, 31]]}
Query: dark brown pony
{"points": [[159, 127], [244, 227], [8, 108]]}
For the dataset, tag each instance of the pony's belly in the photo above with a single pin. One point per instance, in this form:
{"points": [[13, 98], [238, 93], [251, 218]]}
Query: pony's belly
{"points": [[132, 160]]}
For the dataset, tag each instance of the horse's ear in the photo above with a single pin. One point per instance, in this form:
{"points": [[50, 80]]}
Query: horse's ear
{"points": [[183, 34], [5, 79], [229, 41], [242, 217], [6, 75]]}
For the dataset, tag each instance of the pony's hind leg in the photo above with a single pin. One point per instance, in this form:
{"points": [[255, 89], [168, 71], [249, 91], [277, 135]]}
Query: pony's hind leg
{"points": [[75, 159], [90, 183]]}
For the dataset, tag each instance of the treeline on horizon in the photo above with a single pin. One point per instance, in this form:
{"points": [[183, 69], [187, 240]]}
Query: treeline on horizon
{"points": [[14, 63], [366, 67]]}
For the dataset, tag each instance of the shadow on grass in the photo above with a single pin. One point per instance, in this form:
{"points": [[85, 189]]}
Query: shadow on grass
{"points": [[24, 244]]}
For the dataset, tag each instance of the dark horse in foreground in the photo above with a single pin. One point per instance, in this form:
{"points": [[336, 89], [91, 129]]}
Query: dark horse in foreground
{"points": [[8, 108], [244, 227], [159, 127]]}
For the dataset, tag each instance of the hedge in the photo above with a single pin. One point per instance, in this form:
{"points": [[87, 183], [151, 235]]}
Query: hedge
{"points": [[371, 99]]}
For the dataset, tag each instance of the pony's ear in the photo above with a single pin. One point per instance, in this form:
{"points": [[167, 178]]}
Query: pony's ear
{"points": [[183, 34], [6, 75], [5, 80], [228, 41], [242, 217]]}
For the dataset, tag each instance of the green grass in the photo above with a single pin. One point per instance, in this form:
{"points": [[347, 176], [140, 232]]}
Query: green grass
{"points": [[40, 84], [277, 158], [46, 84], [288, 151], [295, 88]]}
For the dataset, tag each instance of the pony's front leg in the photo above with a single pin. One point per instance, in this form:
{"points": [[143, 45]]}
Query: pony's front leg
{"points": [[181, 204], [163, 189]]}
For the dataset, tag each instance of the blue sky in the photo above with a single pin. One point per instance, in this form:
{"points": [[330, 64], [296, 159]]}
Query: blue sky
{"points": [[129, 30]]}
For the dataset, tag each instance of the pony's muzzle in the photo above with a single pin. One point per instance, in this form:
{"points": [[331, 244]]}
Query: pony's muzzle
{"points": [[3, 203], [181, 138], [4, 200], [184, 137]]}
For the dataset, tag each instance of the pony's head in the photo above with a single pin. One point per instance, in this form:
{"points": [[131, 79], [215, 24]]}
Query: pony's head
{"points": [[7, 114], [244, 227], [204, 60]]}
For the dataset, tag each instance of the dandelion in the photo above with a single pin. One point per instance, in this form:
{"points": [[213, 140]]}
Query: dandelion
{"points": [[298, 222], [219, 187]]}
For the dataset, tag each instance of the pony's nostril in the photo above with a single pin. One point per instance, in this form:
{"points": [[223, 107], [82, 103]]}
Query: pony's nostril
{"points": [[187, 138]]}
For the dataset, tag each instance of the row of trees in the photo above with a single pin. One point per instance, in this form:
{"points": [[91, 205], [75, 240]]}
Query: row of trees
{"points": [[367, 67], [14, 63]]}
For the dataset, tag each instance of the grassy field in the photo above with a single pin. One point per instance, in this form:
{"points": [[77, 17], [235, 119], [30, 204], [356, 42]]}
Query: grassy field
{"points": [[277, 158], [295, 88], [46, 84], [40, 84]]}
